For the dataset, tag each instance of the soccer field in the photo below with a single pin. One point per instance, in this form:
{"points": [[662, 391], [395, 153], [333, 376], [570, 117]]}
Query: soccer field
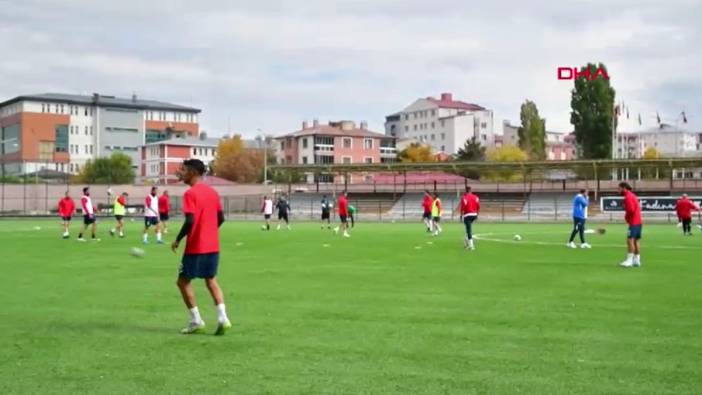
{"points": [[390, 310]]}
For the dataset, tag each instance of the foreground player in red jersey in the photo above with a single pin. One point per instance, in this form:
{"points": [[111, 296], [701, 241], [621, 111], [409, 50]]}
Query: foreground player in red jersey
{"points": [[203, 217], [66, 208], [470, 208], [632, 215]]}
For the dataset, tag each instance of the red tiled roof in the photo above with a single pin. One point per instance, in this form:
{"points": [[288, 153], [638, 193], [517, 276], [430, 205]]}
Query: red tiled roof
{"points": [[445, 103], [334, 131]]}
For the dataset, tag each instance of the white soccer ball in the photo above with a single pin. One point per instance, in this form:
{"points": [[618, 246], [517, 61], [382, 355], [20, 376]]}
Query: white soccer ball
{"points": [[517, 237], [109, 191], [136, 252]]}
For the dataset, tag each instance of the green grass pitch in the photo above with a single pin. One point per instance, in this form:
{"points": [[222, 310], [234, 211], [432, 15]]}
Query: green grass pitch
{"points": [[390, 310]]}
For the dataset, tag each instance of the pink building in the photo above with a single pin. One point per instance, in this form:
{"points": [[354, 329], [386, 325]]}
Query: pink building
{"points": [[335, 143]]}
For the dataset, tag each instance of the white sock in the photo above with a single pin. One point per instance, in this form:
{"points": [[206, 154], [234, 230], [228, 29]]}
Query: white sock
{"points": [[221, 313], [630, 257], [195, 315], [146, 237], [470, 242], [637, 258], [113, 230], [158, 236], [121, 233]]}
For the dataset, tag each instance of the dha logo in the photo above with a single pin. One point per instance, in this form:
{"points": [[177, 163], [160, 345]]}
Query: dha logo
{"points": [[573, 73]]}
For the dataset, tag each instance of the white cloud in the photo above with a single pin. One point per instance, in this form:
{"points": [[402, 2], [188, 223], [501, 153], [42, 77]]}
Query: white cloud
{"points": [[270, 64]]}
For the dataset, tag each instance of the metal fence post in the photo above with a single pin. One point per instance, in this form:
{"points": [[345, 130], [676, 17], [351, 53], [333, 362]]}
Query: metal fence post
{"points": [[503, 211], [555, 209]]}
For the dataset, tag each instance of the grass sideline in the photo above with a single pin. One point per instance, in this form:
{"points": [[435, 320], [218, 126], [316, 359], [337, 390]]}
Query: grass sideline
{"points": [[390, 310]]}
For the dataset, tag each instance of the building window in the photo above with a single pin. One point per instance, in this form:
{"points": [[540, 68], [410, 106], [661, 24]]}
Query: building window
{"points": [[282, 145], [304, 142], [43, 108], [406, 128], [91, 130], [346, 160], [433, 137], [443, 136], [86, 130], [367, 160], [443, 148], [415, 127], [406, 117], [433, 113], [442, 123], [432, 125], [367, 143], [91, 149], [347, 142], [483, 125], [304, 160]]}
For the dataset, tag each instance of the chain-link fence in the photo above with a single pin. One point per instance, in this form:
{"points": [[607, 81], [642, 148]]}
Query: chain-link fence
{"points": [[534, 202]]}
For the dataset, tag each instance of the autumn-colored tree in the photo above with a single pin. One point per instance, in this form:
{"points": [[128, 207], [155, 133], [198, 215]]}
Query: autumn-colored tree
{"points": [[653, 172], [416, 152], [236, 163], [507, 153]]}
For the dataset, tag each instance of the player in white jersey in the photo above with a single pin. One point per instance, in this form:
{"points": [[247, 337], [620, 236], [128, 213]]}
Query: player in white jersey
{"points": [[88, 215], [151, 216], [267, 210]]}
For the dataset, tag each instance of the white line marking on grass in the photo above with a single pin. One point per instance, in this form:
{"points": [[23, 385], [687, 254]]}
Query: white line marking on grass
{"points": [[551, 243]]}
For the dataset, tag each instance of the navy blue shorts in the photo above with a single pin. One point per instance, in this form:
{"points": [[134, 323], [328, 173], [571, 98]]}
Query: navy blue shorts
{"points": [[66, 219], [148, 221], [163, 216], [199, 265], [88, 220], [634, 232], [426, 215]]}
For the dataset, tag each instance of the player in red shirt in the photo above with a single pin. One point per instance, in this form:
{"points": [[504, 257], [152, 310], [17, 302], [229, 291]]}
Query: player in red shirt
{"points": [[632, 215], [470, 208], [164, 206], [684, 208], [203, 217], [342, 204], [427, 202], [66, 208]]}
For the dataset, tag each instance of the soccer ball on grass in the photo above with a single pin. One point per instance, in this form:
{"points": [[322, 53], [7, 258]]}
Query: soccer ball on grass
{"points": [[517, 238]]}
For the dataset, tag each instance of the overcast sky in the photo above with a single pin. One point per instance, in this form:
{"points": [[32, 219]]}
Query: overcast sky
{"points": [[271, 64]]}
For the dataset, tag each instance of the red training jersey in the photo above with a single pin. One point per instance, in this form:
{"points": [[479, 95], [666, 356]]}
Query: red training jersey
{"points": [[632, 210], [163, 204], [203, 203], [470, 204], [426, 203], [121, 200], [684, 208], [343, 205], [66, 207]]}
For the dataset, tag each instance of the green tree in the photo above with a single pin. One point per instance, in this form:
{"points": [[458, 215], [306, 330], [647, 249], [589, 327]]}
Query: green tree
{"points": [[507, 153], [532, 132], [471, 151], [117, 169], [416, 152], [592, 112]]}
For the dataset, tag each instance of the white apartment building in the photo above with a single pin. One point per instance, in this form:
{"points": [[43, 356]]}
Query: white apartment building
{"points": [[445, 124], [669, 140]]}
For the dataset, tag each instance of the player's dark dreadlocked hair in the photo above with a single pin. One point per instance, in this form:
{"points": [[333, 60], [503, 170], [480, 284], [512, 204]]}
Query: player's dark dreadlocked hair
{"points": [[625, 185], [197, 165]]}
